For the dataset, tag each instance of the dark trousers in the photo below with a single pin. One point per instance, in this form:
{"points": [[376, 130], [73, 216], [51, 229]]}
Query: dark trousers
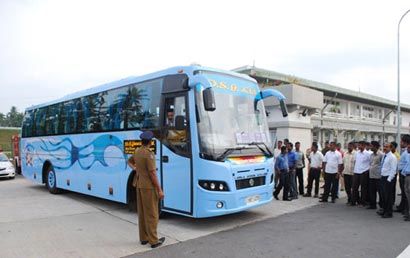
{"points": [[387, 189], [283, 183], [393, 191], [330, 186], [374, 190], [407, 192], [403, 201], [314, 175], [299, 180], [360, 180], [348, 186]]}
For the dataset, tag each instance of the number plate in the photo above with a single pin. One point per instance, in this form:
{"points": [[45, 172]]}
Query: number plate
{"points": [[252, 199]]}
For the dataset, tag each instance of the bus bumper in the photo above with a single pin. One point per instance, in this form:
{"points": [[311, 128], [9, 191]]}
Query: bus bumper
{"points": [[209, 203]]}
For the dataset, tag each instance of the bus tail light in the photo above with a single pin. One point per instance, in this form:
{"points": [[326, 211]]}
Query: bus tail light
{"points": [[214, 185]]}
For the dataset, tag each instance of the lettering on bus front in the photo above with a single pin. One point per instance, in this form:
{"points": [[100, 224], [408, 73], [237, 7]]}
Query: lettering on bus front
{"points": [[232, 87]]}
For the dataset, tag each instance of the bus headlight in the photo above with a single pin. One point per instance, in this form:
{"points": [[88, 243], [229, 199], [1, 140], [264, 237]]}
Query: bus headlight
{"points": [[214, 185]]}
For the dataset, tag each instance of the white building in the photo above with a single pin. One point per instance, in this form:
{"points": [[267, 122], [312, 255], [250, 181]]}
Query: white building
{"points": [[322, 112]]}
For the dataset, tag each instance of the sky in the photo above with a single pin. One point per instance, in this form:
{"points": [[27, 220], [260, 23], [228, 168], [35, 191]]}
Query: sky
{"points": [[49, 49]]}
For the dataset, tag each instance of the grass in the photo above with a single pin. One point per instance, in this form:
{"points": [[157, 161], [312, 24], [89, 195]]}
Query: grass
{"points": [[5, 139]]}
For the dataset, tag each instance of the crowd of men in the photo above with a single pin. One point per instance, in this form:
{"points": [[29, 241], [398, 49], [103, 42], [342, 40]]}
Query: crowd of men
{"points": [[367, 172]]}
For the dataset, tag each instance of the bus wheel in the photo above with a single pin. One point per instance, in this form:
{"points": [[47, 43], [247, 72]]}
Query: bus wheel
{"points": [[51, 181]]}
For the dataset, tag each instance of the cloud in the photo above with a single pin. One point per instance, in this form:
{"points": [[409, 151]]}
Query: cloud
{"points": [[51, 48]]}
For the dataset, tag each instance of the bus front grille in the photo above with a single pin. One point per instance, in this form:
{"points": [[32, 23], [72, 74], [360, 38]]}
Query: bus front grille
{"points": [[250, 182]]}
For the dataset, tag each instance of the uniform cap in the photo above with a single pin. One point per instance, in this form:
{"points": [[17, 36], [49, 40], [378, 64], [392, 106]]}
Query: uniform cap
{"points": [[147, 135]]}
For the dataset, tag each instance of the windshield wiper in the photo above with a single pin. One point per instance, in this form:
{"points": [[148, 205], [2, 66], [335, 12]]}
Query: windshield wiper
{"points": [[267, 152], [227, 152]]}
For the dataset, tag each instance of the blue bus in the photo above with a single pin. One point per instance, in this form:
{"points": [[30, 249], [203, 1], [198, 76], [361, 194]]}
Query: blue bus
{"points": [[212, 146]]}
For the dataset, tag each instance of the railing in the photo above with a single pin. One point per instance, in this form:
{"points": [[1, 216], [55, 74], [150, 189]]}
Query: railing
{"points": [[351, 117]]}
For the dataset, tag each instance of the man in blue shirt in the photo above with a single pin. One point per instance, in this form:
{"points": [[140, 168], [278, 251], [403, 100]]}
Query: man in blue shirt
{"points": [[405, 172], [292, 171], [281, 165], [388, 172], [405, 141]]}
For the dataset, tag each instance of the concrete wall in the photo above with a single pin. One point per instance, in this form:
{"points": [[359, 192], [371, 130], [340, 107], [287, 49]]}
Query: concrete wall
{"points": [[302, 135]]}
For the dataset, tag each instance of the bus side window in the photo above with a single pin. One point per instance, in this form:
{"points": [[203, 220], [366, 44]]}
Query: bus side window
{"points": [[175, 139]]}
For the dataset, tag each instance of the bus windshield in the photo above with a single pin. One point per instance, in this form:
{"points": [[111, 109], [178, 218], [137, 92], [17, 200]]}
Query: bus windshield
{"points": [[239, 122]]}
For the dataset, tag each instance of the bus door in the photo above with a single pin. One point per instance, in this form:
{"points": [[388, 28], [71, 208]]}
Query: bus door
{"points": [[176, 170]]}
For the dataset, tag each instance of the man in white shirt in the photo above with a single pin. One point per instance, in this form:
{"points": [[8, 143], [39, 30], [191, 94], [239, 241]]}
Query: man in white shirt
{"points": [[333, 166], [315, 166], [348, 166], [361, 175], [388, 172]]}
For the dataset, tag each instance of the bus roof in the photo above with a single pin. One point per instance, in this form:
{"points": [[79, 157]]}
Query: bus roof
{"points": [[189, 70]]}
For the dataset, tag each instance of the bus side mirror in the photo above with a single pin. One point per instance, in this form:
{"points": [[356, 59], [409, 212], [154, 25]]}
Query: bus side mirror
{"points": [[209, 99], [278, 95], [283, 108], [180, 123]]}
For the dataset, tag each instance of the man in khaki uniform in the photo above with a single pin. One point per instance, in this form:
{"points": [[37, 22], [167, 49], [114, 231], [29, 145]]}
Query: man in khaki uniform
{"points": [[148, 191]]}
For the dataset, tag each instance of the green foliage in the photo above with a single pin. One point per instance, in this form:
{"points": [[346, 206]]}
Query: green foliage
{"points": [[12, 119]]}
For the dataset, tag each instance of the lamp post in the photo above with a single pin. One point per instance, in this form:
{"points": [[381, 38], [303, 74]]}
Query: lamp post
{"points": [[321, 118], [384, 121], [398, 77]]}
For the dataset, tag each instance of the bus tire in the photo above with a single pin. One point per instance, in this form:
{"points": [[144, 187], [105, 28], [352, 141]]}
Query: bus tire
{"points": [[131, 194], [51, 180]]}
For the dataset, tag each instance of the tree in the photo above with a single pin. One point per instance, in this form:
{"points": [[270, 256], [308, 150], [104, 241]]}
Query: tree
{"points": [[2, 120], [13, 118]]}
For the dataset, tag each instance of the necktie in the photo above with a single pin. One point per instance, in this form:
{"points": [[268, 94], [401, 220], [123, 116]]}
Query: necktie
{"points": [[384, 157]]}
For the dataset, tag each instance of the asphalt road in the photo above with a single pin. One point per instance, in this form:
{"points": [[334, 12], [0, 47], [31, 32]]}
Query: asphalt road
{"points": [[35, 223], [326, 230]]}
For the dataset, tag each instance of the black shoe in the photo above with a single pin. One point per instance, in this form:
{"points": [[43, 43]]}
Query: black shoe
{"points": [[287, 200], [315, 196], [322, 200], [160, 242], [371, 207], [407, 219], [398, 210], [386, 216], [275, 196], [352, 204], [144, 242], [307, 195]]}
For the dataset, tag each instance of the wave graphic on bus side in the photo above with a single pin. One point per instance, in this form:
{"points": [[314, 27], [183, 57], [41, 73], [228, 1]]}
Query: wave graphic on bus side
{"points": [[65, 153]]}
